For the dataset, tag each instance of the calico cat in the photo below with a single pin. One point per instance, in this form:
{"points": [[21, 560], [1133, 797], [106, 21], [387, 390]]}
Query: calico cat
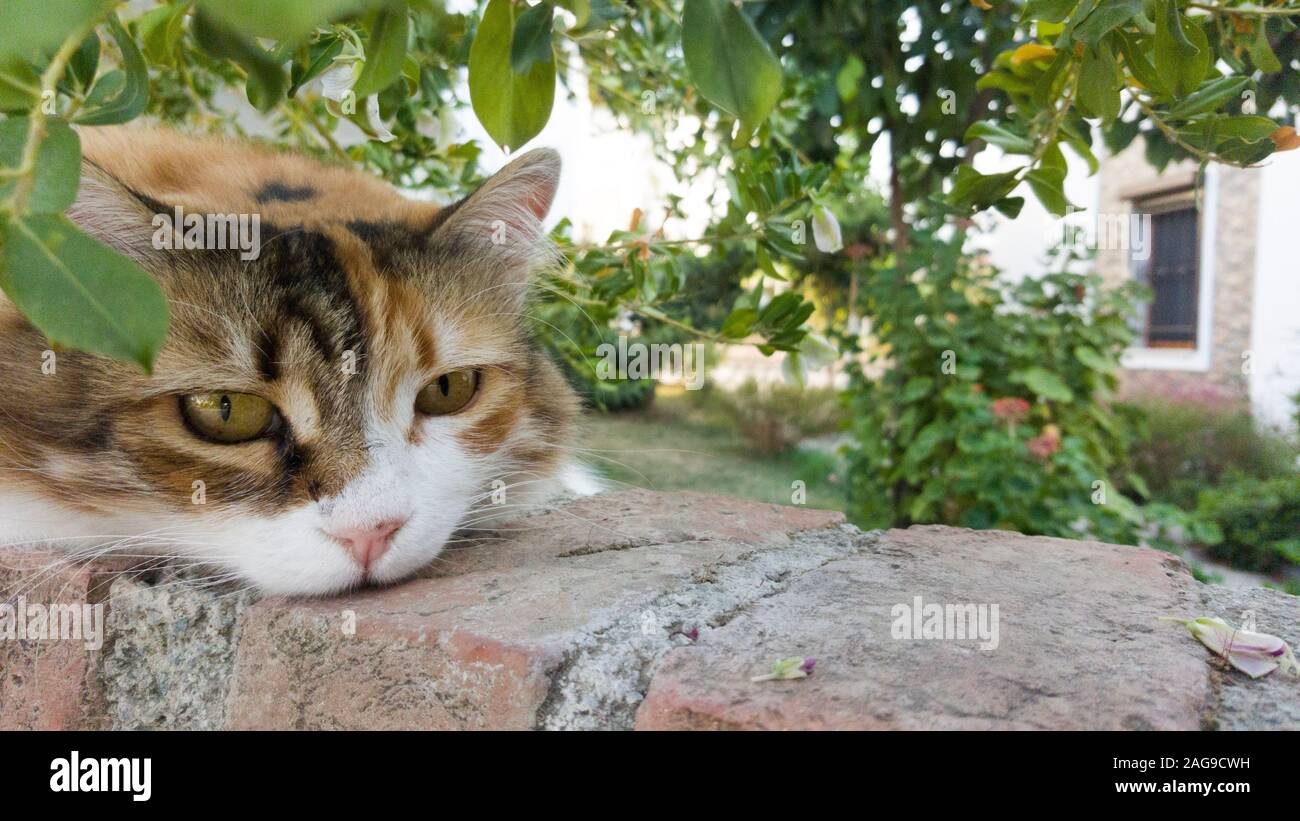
{"points": [[322, 416]]}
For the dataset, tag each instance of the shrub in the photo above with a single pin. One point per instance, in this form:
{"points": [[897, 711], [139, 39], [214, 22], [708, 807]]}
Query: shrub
{"points": [[774, 418], [991, 409], [1259, 519], [1183, 447]]}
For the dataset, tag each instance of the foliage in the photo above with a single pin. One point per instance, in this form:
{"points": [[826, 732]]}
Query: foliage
{"points": [[1183, 447], [1259, 519], [395, 70], [991, 407], [774, 418], [1149, 67], [787, 97]]}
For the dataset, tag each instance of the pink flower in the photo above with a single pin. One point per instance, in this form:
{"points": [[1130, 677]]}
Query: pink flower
{"points": [[1045, 444], [1010, 409]]}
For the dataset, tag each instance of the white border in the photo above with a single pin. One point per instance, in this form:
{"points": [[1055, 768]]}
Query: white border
{"points": [[1198, 359]]}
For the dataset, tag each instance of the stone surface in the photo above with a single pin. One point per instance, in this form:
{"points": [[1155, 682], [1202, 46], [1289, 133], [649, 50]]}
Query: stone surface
{"points": [[1079, 644], [583, 617], [168, 664], [50, 685]]}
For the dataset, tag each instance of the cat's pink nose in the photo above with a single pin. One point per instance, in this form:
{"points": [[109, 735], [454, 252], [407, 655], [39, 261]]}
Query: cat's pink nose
{"points": [[367, 544]]}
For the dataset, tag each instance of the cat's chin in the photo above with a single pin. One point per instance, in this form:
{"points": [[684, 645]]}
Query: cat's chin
{"points": [[290, 556]]}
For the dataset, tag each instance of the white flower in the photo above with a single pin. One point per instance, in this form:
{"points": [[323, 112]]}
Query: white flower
{"points": [[817, 352], [376, 124], [443, 129], [794, 369], [826, 231], [337, 80], [1255, 654]]}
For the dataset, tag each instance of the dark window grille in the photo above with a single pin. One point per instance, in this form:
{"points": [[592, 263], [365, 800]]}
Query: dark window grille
{"points": [[1172, 273]]}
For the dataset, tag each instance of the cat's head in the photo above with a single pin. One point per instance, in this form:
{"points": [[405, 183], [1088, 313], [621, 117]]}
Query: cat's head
{"points": [[322, 416]]}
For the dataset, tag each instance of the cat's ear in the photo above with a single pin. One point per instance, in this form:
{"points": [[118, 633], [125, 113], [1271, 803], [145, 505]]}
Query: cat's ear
{"points": [[114, 214], [503, 218]]}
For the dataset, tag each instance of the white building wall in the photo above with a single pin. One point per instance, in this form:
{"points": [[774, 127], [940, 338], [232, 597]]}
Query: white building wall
{"points": [[1275, 327]]}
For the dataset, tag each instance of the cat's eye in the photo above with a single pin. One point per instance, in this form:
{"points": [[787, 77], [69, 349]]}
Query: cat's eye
{"points": [[449, 393], [229, 417]]}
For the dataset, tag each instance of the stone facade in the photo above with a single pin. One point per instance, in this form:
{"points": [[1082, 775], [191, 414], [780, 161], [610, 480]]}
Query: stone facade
{"points": [[1126, 177], [640, 610]]}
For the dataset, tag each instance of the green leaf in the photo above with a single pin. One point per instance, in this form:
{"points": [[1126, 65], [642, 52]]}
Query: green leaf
{"points": [[125, 97], [267, 81], [1048, 184], [1093, 360], [739, 322], [1139, 484], [916, 388], [1140, 67], [85, 61], [532, 41], [36, 27], [1249, 128], [1105, 19], [1079, 15], [58, 164], [1052, 11], [1099, 84], [321, 57], [1209, 97], [1172, 18], [279, 20], [1243, 152], [1261, 53], [729, 63], [512, 107], [975, 190], [79, 292], [1002, 137], [779, 309], [1010, 206], [385, 51], [1044, 383], [848, 77], [160, 32], [924, 443], [20, 87], [1182, 52], [1005, 81], [1080, 146]]}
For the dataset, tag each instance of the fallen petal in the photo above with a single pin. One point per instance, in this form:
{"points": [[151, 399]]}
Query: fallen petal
{"points": [[1255, 654]]}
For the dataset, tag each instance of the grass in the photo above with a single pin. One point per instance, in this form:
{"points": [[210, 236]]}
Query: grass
{"points": [[681, 443]]}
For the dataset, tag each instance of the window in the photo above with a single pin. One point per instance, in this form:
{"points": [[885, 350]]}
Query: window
{"points": [[1171, 270]]}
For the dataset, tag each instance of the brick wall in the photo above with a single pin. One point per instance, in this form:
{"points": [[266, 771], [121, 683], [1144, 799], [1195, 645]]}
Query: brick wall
{"points": [[656, 611]]}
